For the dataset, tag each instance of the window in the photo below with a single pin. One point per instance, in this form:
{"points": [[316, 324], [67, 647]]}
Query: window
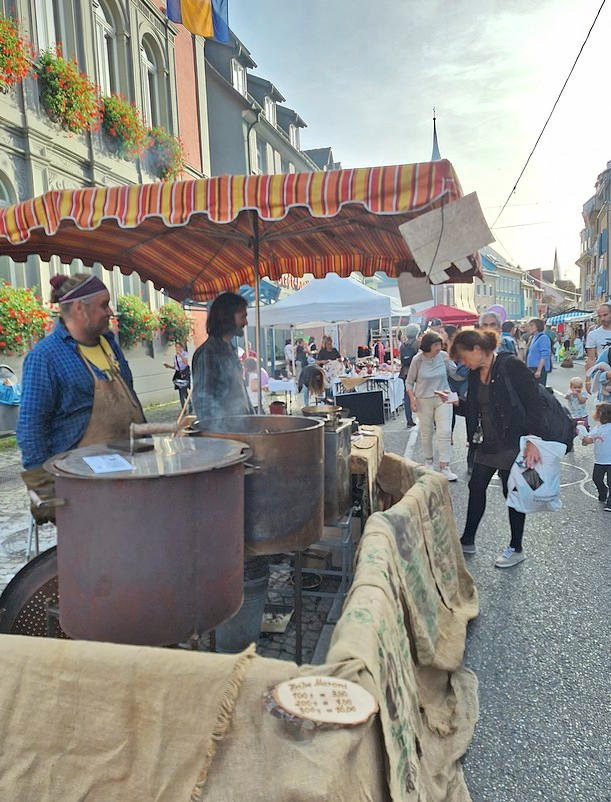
{"points": [[8, 270], [47, 33], [154, 100], [294, 136], [270, 110], [106, 46], [261, 156], [55, 25], [238, 77]]}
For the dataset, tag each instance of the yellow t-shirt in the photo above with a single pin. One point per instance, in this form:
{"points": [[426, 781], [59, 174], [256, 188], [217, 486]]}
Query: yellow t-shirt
{"points": [[100, 356]]}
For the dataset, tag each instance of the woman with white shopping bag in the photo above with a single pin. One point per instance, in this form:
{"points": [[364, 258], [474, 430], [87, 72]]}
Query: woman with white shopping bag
{"points": [[494, 428]]}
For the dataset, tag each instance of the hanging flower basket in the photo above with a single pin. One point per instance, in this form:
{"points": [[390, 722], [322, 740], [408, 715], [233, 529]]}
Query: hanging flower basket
{"points": [[23, 319], [123, 126], [164, 155], [137, 323], [174, 323], [68, 96], [16, 54]]}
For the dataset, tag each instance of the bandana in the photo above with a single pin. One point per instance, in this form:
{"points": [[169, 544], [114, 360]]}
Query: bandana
{"points": [[91, 286]]}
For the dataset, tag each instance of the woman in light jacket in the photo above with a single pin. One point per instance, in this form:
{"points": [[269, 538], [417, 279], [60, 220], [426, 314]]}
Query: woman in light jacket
{"points": [[427, 388]]}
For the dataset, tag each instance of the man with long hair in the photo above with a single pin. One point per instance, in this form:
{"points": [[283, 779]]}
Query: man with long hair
{"points": [[218, 378]]}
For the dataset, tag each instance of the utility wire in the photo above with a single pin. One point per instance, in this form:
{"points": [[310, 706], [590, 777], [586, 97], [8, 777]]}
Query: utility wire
{"points": [[551, 112], [523, 225]]}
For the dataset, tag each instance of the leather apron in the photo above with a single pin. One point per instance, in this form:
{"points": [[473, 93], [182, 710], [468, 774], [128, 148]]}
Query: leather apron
{"points": [[114, 408]]}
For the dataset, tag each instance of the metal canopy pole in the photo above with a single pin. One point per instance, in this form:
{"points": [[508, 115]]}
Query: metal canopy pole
{"points": [[255, 254]]}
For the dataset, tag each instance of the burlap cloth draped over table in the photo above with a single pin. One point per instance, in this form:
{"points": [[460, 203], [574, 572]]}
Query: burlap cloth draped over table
{"points": [[366, 455], [95, 722]]}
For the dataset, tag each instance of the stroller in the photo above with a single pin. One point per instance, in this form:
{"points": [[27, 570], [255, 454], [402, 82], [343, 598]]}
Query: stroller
{"points": [[10, 398]]}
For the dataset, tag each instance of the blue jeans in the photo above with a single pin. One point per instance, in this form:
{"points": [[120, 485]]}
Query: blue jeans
{"points": [[409, 418], [543, 378]]}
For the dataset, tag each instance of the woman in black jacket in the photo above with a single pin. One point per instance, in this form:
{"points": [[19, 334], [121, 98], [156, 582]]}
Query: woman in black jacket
{"points": [[494, 427]]}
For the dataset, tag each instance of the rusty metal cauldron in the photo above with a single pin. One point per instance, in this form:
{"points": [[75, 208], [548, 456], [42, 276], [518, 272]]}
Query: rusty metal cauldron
{"points": [[152, 555], [284, 495]]}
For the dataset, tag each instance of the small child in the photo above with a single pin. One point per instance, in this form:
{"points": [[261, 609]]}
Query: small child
{"points": [[600, 436], [577, 398]]}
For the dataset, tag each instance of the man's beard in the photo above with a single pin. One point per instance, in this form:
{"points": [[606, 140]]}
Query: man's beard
{"points": [[97, 331]]}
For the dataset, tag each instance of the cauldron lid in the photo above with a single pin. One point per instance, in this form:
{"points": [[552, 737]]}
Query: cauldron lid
{"points": [[171, 456], [321, 409]]}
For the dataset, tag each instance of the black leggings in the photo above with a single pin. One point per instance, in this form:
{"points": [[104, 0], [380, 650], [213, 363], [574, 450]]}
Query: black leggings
{"points": [[478, 484], [598, 477]]}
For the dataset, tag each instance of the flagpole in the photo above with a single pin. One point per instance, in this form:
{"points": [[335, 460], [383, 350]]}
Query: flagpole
{"points": [[255, 254]]}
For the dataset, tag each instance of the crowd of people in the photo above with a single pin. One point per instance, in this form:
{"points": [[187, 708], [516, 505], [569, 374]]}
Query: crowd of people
{"points": [[78, 389], [490, 375]]}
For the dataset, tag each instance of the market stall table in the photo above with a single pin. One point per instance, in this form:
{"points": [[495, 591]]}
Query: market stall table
{"points": [[286, 386], [391, 385]]}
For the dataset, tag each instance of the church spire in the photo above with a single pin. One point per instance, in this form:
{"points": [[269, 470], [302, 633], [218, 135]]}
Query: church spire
{"points": [[556, 267], [436, 155]]}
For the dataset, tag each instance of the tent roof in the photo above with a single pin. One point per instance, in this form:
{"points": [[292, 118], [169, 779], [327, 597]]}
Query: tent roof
{"points": [[328, 300], [199, 237], [450, 315]]}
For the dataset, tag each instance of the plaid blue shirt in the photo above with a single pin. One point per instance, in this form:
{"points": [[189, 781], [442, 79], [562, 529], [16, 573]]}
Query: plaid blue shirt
{"points": [[57, 396]]}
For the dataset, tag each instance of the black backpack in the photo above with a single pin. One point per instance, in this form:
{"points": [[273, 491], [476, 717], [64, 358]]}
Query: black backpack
{"points": [[408, 352], [557, 422]]}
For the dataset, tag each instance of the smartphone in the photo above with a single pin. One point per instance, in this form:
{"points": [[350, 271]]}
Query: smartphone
{"points": [[532, 478], [441, 392]]}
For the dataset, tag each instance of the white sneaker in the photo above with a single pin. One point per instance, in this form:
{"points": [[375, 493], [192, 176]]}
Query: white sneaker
{"points": [[509, 558], [449, 475]]}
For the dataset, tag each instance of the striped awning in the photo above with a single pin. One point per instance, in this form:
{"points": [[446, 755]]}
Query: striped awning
{"points": [[574, 316], [197, 238]]}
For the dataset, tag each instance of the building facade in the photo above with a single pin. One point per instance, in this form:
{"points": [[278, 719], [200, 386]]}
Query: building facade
{"points": [[126, 47], [593, 261], [251, 132], [228, 120]]}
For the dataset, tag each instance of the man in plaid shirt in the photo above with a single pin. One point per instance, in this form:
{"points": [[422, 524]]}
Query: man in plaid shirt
{"points": [[77, 388]]}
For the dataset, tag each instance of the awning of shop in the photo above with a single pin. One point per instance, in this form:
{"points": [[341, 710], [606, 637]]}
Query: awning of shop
{"points": [[197, 238], [574, 316]]}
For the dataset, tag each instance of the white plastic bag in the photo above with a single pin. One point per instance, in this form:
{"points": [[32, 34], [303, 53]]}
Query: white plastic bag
{"points": [[538, 489]]}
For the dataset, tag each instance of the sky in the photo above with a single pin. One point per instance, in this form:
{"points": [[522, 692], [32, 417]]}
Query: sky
{"points": [[366, 75]]}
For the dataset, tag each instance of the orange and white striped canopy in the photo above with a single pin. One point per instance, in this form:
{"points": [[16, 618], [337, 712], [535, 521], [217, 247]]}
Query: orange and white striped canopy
{"points": [[197, 238]]}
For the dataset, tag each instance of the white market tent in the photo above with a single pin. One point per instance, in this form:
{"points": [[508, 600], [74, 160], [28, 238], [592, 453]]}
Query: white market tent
{"points": [[331, 300]]}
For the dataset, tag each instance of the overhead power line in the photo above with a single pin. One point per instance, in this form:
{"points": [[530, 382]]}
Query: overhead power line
{"points": [[551, 112]]}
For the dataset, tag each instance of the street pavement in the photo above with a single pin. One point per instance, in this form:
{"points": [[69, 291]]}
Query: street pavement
{"points": [[540, 647]]}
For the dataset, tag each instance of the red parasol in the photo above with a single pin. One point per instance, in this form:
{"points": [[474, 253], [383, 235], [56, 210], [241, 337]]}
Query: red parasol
{"points": [[450, 315]]}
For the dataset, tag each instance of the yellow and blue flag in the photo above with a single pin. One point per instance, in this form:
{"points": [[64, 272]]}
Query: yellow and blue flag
{"points": [[207, 18]]}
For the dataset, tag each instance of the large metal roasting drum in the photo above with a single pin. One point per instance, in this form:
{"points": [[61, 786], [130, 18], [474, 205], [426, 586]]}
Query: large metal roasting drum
{"points": [[152, 555], [284, 494]]}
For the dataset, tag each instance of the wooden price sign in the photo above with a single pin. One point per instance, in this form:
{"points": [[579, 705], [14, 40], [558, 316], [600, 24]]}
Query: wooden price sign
{"points": [[330, 700]]}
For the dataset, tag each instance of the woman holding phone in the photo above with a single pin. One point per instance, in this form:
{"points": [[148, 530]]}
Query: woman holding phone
{"points": [[428, 391], [494, 428]]}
